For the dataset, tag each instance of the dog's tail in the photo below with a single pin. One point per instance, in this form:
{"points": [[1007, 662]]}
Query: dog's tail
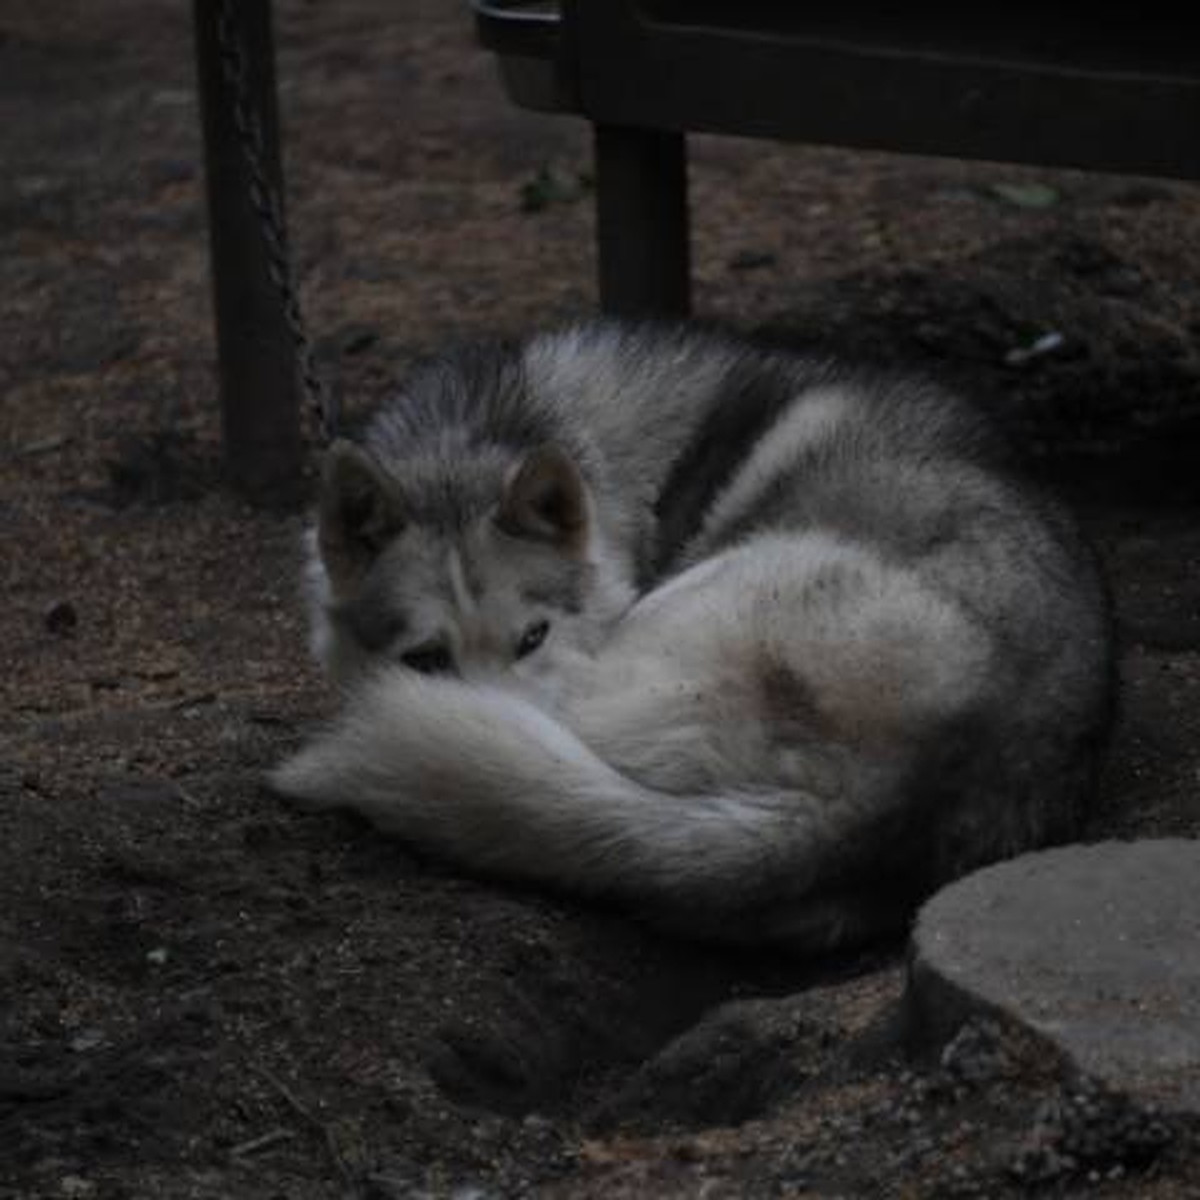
{"points": [[483, 778]]}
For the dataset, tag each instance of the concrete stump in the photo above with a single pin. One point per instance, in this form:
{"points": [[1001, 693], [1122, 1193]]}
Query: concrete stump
{"points": [[1093, 948]]}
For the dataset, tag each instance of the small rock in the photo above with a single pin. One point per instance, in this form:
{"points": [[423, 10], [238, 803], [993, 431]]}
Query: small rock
{"points": [[553, 184], [89, 1039], [751, 260], [60, 618], [44, 445], [977, 1054], [356, 339], [1048, 343]]}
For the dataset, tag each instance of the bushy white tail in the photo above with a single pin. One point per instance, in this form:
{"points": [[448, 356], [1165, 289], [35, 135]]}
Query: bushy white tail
{"points": [[478, 775]]}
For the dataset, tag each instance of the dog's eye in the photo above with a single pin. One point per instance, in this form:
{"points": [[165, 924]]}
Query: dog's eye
{"points": [[429, 660], [532, 638]]}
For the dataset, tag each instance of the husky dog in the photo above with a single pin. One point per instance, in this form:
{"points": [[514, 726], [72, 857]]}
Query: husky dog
{"points": [[763, 648]]}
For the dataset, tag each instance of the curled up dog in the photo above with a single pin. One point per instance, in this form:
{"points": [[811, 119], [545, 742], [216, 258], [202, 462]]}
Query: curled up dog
{"points": [[761, 647]]}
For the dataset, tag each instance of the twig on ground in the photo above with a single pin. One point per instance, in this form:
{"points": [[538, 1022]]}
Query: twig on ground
{"points": [[263, 1142], [314, 1122]]}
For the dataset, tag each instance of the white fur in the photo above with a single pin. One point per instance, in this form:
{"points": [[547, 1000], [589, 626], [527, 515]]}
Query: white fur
{"points": [[888, 665], [659, 776]]}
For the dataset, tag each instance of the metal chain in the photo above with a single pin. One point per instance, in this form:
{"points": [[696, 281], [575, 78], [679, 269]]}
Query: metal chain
{"points": [[267, 205]]}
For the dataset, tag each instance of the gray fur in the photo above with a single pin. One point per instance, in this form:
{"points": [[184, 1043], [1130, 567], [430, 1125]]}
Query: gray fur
{"points": [[811, 650]]}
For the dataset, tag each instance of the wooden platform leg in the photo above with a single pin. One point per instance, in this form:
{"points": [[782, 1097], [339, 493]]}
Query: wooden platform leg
{"points": [[642, 222]]}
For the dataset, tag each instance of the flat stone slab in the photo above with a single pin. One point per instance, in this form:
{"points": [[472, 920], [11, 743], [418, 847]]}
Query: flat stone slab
{"points": [[1095, 948]]}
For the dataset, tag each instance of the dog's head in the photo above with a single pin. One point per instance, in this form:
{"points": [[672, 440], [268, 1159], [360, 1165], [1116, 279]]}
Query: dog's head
{"points": [[468, 564]]}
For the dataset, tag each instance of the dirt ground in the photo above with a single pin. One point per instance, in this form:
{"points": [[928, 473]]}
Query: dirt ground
{"points": [[206, 994]]}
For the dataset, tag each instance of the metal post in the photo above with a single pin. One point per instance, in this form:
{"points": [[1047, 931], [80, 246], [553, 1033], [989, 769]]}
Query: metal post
{"points": [[642, 221], [259, 386]]}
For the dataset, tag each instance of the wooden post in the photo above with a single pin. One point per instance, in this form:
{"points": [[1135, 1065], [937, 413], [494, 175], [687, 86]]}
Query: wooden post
{"points": [[259, 383], [642, 222]]}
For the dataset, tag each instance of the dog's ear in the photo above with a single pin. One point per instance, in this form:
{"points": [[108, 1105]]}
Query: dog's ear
{"points": [[546, 499], [358, 513]]}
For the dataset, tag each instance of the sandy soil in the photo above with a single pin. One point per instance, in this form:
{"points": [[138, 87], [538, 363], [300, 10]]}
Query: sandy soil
{"points": [[208, 995]]}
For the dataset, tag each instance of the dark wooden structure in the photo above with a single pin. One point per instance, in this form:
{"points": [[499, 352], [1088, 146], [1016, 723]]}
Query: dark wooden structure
{"points": [[1107, 90], [1112, 89], [256, 351]]}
